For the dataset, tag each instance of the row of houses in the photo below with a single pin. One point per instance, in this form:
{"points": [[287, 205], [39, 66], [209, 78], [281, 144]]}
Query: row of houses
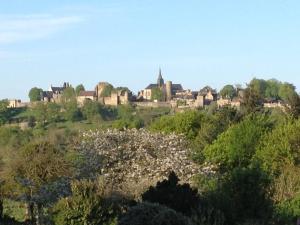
{"points": [[170, 95]]}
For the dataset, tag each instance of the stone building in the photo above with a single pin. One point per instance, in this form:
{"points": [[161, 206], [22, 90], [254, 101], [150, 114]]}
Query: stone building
{"points": [[86, 96], [15, 103], [206, 96], [54, 93], [106, 94], [168, 89]]}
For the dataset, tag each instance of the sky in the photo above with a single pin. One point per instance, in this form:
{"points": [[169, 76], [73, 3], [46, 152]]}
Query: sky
{"points": [[124, 42]]}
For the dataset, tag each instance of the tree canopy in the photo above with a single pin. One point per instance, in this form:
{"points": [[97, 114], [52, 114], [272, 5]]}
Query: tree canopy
{"points": [[35, 94]]}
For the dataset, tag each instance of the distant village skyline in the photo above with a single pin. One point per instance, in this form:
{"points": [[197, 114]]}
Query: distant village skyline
{"points": [[135, 87]]}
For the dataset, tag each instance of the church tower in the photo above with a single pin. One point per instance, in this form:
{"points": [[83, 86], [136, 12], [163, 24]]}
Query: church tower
{"points": [[160, 80]]}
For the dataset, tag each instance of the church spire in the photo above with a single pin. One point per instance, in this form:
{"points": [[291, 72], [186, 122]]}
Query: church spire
{"points": [[160, 80]]}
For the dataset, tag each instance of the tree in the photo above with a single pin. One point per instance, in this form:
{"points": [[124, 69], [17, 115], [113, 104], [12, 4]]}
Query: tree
{"points": [[181, 198], [187, 123], [86, 206], [272, 89], [35, 94], [79, 88], [252, 99], [237, 146], [3, 111], [37, 175], [259, 86], [157, 94], [280, 148], [293, 106], [287, 91], [248, 193], [68, 95], [228, 92], [152, 214], [91, 110], [40, 111], [53, 112], [72, 112]]}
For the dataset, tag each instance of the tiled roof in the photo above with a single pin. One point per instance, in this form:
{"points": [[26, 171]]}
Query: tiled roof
{"points": [[151, 86], [87, 93]]}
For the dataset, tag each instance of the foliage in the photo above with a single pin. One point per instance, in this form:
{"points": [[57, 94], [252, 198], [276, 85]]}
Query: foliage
{"points": [[228, 91], [287, 91], [280, 148], [181, 198], [152, 214], [252, 99], [79, 88], [35, 94], [236, 146], [3, 111], [211, 127], [72, 112], [187, 123], [14, 137], [157, 94], [86, 206], [107, 90], [68, 95], [127, 118], [36, 174], [289, 211], [91, 110]]}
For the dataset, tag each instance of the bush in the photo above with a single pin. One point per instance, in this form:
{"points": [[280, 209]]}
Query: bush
{"points": [[187, 123], [181, 198], [87, 205], [152, 214], [236, 146]]}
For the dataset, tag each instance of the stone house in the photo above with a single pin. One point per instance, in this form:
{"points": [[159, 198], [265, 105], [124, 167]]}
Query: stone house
{"points": [[86, 96], [206, 96], [54, 93], [117, 96]]}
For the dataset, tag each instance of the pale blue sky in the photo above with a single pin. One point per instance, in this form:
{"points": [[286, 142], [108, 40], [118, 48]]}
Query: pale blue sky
{"points": [[196, 42]]}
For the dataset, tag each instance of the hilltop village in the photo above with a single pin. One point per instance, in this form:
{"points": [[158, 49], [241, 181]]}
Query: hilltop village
{"points": [[159, 94]]}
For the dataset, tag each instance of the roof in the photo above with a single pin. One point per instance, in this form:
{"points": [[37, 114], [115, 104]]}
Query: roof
{"points": [[87, 93], [57, 89], [47, 94], [177, 87], [206, 90], [151, 86]]}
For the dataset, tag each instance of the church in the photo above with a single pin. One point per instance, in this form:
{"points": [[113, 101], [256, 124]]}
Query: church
{"points": [[168, 89]]}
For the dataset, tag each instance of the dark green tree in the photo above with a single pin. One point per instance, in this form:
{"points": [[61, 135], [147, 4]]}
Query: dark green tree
{"points": [[87, 205], [228, 92], [35, 94], [3, 111], [72, 112], [91, 110], [180, 197], [152, 214], [79, 88], [252, 100], [287, 92]]}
